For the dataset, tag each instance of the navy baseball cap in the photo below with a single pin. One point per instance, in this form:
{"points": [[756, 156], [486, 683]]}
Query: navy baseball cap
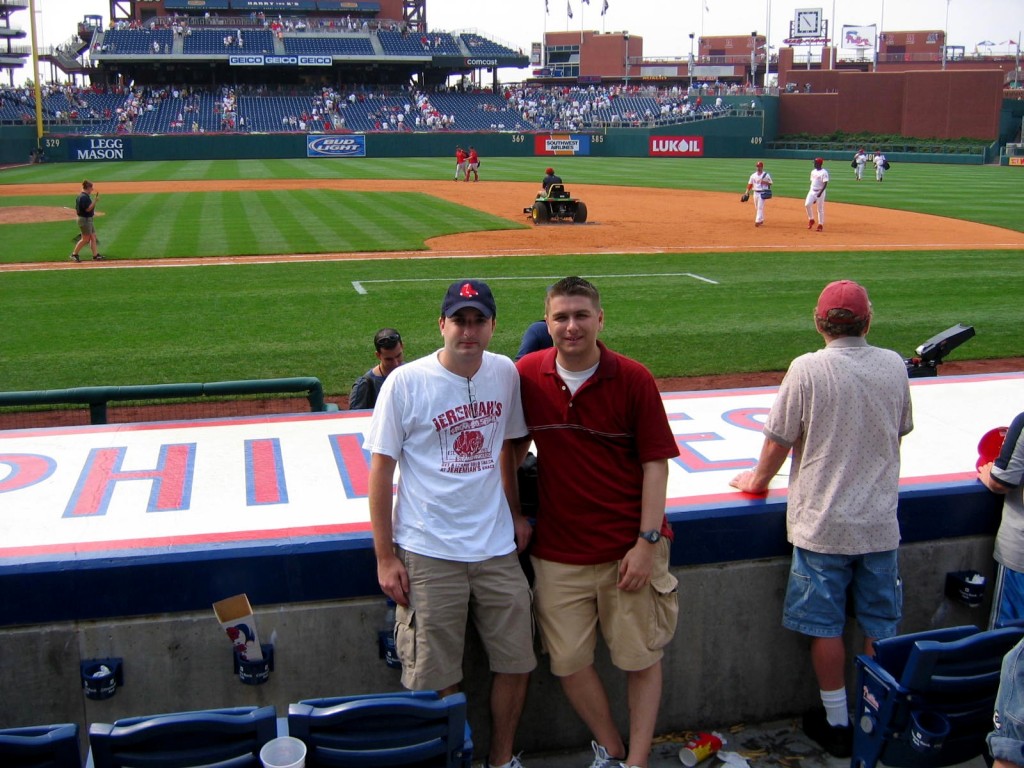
{"points": [[469, 293]]}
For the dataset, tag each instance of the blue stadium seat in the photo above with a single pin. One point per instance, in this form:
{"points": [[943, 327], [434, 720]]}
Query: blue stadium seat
{"points": [[333, 45], [45, 746], [231, 738], [137, 42], [926, 700], [388, 729]]}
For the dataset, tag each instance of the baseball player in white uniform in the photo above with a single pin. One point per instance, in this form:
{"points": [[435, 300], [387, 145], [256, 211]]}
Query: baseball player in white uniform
{"points": [[759, 182], [860, 160], [816, 195], [879, 163]]}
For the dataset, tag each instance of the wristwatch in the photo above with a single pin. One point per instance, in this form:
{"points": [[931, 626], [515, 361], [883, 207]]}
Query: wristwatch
{"points": [[651, 536]]}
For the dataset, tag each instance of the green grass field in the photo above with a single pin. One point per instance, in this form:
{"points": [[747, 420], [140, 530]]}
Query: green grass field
{"points": [[749, 312]]}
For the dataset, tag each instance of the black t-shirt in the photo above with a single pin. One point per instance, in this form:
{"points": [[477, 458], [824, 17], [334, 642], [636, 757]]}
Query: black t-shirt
{"points": [[82, 203]]}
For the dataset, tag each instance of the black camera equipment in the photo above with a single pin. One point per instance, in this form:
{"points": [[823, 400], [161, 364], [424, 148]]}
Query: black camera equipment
{"points": [[930, 354]]}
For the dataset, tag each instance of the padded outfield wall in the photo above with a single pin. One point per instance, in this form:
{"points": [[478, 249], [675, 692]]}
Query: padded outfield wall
{"points": [[741, 135]]}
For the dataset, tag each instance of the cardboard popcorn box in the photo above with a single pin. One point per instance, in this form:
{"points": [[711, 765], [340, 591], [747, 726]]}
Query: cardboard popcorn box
{"points": [[235, 615]]}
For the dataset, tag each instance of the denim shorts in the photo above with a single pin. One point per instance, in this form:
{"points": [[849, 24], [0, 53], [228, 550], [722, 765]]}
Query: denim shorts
{"points": [[819, 584], [1008, 598], [1006, 741]]}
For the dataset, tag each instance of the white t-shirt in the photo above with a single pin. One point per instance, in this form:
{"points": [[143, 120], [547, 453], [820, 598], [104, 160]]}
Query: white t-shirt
{"points": [[446, 432]]}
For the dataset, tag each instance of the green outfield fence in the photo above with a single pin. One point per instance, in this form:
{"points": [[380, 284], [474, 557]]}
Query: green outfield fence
{"points": [[160, 402]]}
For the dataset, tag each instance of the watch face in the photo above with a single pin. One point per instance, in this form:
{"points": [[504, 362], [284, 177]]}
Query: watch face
{"points": [[651, 536]]}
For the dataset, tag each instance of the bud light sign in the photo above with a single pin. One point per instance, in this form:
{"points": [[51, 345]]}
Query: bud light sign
{"points": [[675, 146], [335, 146]]}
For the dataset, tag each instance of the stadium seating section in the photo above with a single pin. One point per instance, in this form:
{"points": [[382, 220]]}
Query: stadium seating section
{"points": [[88, 111], [164, 109]]}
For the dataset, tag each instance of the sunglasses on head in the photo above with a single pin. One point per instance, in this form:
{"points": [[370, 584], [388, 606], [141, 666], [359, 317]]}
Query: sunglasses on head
{"points": [[388, 342]]}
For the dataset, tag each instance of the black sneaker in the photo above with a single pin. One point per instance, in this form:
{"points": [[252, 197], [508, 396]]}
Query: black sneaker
{"points": [[98, 257], [837, 740], [74, 258]]}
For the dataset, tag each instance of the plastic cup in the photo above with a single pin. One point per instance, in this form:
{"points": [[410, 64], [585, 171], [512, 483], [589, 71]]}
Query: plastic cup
{"points": [[283, 752], [699, 748]]}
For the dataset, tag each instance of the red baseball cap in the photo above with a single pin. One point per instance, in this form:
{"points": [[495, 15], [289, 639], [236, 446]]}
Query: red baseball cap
{"points": [[760, 164], [843, 294], [990, 446], [549, 171], [818, 161]]}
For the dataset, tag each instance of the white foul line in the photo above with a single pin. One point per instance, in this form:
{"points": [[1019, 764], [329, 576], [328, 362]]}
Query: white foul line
{"points": [[359, 285]]}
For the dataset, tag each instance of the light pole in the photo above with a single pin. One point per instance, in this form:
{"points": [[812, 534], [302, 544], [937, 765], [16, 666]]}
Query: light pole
{"points": [[689, 69], [753, 60], [627, 58], [945, 36]]}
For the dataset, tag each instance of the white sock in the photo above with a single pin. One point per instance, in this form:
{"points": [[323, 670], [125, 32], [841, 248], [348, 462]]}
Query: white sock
{"points": [[835, 707]]}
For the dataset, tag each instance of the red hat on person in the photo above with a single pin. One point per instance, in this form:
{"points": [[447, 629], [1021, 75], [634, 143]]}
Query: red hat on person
{"points": [[845, 295], [760, 164], [549, 171], [818, 161]]}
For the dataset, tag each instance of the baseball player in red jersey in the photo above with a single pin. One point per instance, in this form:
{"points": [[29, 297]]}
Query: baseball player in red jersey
{"points": [[473, 165], [460, 163]]}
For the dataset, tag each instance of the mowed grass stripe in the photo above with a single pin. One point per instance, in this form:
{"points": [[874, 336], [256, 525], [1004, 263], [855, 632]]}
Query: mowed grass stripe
{"points": [[371, 228], [323, 225], [202, 323], [140, 226]]}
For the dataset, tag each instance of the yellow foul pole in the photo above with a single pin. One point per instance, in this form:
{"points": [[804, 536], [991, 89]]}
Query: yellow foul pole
{"points": [[35, 73]]}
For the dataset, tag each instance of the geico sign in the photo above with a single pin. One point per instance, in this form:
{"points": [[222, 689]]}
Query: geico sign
{"points": [[676, 146], [245, 61]]}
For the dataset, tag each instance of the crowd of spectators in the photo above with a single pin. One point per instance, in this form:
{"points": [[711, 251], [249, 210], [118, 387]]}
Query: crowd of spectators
{"points": [[328, 108]]}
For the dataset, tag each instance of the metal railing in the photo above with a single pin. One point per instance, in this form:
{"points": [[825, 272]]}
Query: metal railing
{"points": [[98, 398]]}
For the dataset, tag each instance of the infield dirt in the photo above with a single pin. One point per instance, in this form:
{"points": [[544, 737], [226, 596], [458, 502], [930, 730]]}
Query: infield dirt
{"points": [[622, 220]]}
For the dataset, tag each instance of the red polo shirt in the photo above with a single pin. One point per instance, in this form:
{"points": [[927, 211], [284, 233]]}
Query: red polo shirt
{"points": [[590, 447]]}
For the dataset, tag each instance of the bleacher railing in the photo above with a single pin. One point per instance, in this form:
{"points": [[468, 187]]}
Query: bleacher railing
{"points": [[14, 404]]}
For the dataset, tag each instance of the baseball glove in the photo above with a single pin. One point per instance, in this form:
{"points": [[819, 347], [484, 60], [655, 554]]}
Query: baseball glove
{"points": [[766, 194], [744, 197]]}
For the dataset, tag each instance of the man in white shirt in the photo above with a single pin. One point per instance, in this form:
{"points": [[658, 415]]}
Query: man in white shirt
{"points": [[816, 195], [879, 163], [447, 546], [760, 181], [843, 411]]}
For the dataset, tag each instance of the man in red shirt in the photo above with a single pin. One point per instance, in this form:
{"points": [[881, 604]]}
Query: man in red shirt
{"points": [[600, 550], [473, 165], [460, 163]]}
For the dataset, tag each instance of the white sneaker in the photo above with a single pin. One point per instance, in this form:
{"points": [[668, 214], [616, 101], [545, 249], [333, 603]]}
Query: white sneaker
{"points": [[602, 759], [515, 762]]}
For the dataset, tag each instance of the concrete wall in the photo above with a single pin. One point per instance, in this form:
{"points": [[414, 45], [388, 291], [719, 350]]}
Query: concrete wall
{"points": [[730, 661]]}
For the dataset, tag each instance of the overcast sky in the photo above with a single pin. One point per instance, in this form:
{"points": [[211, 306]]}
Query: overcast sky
{"points": [[664, 24]]}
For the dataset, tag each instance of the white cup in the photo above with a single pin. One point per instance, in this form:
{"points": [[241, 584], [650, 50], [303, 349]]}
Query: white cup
{"points": [[283, 752]]}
